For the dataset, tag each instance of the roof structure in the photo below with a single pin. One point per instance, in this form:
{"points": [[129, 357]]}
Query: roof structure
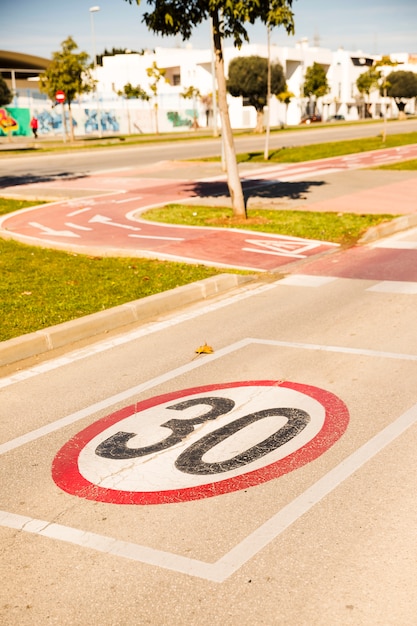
{"points": [[18, 70]]}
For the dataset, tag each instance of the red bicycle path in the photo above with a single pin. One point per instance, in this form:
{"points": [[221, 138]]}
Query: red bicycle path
{"points": [[100, 214]]}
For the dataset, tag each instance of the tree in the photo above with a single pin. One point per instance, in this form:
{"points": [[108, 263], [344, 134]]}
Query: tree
{"points": [[129, 91], [248, 78], [68, 72], [6, 95], [192, 93], [285, 97], [401, 86], [228, 19], [207, 101], [367, 82], [156, 74], [315, 84], [114, 51]]}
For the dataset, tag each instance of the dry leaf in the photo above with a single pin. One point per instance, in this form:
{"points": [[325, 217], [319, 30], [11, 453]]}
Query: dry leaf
{"points": [[204, 349]]}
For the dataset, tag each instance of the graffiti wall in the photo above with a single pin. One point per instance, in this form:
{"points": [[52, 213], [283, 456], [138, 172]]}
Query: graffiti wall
{"points": [[14, 121], [89, 119]]}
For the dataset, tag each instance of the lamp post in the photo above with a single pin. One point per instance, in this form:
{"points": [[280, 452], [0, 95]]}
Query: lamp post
{"points": [[93, 10], [268, 96], [214, 82]]}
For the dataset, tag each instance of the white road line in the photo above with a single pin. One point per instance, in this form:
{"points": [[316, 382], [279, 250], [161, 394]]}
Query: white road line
{"points": [[238, 556], [119, 397], [128, 200], [282, 254], [270, 530], [128, 393], [84, 210], [154, 327], [108, 221], [77, 226], [157, 237], [340, 349], [145, 330], [108, 545]]}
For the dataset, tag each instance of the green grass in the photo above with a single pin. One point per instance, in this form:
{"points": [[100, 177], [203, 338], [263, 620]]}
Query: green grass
{"points": [[326, 150], [8, 206], [40, 288], [342, 228], [403, 165]]}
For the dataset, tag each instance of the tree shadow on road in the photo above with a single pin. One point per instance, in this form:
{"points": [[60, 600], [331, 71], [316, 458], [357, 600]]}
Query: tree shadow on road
{"points": [[30, 179], [286, 190]]}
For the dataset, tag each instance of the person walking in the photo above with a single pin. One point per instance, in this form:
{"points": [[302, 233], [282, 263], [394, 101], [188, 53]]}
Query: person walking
{"points": [[34, 126]]}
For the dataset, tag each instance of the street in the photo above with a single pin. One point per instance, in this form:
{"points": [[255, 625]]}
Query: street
{"points": [[22, 168], [246, 460], [315, 526]]}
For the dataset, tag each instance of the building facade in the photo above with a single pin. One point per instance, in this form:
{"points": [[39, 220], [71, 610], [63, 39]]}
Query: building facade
{"points": [[167, 110]]}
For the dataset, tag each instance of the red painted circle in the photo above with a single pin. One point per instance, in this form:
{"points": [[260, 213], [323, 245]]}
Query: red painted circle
{"points": [[67, 475]]}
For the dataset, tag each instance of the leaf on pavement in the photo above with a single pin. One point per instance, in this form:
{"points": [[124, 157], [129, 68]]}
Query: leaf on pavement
{"points": [[205, 349]]}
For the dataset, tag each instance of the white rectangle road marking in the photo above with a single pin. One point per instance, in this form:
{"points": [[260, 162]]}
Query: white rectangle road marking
{"points": [[395, 286], [395, 244], [240, 554], [304, 280]]}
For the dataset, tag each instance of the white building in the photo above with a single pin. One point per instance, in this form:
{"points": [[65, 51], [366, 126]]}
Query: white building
{"points": [[184, 67]]}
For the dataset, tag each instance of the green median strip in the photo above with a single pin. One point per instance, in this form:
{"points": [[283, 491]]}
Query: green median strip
{"points": [[311, 152], [40, 287], [401, 166], [342, 228]]}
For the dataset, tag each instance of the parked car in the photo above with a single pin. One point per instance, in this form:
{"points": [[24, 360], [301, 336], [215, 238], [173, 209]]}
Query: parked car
{"points": [[310, 119], [336, 118]]}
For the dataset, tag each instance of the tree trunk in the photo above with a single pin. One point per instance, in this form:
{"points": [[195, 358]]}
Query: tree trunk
{"points": [[64, 122], [71, 131], [233, 181], [259, 121]]}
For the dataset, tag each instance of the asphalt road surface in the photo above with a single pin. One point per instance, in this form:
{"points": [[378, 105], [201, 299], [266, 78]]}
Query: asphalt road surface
{"points": [[22, 169], [269, 479], [269, 482]]}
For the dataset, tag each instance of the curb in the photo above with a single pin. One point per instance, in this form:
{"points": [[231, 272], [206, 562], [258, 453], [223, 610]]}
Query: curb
{"points": [[42, 341], [389, 228]]}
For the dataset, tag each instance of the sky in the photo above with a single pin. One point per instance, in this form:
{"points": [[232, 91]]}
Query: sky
{"points": [[39, 26]]}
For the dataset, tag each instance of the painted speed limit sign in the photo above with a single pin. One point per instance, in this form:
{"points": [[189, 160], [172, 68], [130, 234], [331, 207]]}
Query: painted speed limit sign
{"points": [[200, 442]]}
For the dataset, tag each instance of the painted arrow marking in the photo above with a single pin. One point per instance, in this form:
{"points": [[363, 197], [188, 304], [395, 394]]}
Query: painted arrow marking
{"points": [[286, 248], [102, 219], [50, 231], [77, 226]]}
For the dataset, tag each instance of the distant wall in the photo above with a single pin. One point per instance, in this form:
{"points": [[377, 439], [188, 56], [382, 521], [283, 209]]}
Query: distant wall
{"points": [[14, 121]]}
